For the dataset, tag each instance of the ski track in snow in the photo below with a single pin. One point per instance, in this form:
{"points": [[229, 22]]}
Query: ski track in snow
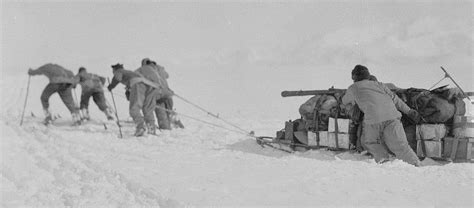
{"points": [[89, 166], [67, 174]]}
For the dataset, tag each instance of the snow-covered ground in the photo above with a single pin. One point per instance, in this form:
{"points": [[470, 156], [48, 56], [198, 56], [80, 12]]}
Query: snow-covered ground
{"points": [[89, 166]]}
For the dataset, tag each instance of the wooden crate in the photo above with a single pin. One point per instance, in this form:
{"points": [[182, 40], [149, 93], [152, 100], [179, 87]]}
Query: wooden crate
{"points": [[342, 124], [328, 139], [431, 132], [313, 138], [460, 150], [289, 131], [342, 140], [323, 138], [463, 126], [432, 149]]}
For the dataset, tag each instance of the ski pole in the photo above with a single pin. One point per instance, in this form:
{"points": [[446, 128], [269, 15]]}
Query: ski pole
{"points": [[449, 76], [437, 83], [26, 99], [115, 108]]}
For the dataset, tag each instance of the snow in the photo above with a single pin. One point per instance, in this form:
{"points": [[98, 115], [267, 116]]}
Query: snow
{"points": [[89, 166]]}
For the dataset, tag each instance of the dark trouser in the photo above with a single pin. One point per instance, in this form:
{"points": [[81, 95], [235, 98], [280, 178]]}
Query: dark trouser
{"points": [[355, 132], [376, 138], [64, 91], [97, 96], [142, 98]]}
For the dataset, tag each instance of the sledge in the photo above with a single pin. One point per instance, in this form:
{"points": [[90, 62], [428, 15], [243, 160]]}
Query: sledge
{"points": [[326, 123]]}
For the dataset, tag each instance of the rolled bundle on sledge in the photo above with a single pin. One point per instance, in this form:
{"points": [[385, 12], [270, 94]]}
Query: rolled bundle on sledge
{"points": [[438, 106], [435, 106]]}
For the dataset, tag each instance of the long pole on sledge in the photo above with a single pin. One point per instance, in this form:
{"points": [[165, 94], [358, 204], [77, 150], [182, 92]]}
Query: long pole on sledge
{"points": [[311, 92], [446, 74], [115, 108], [26, 99]]}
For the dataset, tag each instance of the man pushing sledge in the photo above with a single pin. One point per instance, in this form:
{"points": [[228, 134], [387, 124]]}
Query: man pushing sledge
{"points": [[382, 131]]}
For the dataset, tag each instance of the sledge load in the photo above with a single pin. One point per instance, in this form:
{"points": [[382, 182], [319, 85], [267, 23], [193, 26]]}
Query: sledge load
{"points": [[444, 131]]}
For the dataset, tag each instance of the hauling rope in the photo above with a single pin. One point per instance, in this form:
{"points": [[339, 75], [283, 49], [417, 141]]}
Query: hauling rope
{"points": [[199, 120], [211, 114], [263, 141], [202, 121]]}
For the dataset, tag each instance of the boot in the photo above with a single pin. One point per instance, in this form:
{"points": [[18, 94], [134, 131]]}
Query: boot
{"points": [[109, 113], [76, 119], [176, 121], [48, 118], [427, 162], [85, 114], [151, 129], [140, 130]]}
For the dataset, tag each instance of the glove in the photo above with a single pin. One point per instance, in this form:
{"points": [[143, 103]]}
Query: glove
{"points": [[30, 71], [338, 95], [127, 94], [414, 115], [109, 88]]}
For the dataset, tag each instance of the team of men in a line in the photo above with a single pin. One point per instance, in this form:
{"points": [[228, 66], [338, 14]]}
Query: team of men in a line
{"points": [[147, 90]]}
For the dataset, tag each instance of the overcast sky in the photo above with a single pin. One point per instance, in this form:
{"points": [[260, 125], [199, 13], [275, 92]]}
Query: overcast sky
{"points": [[246, 48]]}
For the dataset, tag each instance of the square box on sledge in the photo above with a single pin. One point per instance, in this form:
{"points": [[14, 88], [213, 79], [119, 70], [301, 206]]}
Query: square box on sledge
{"points": [[459, 150], [343, 125], [432, 148], [431, 132]]}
